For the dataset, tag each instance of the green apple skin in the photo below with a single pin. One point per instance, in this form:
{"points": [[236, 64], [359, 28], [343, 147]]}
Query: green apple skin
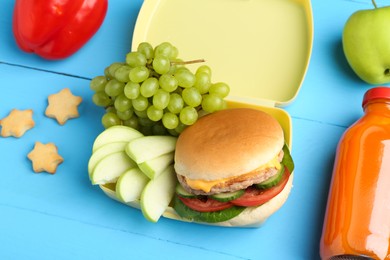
{"points": [[108, 169], [113, 134], [366, 44], [154, 167], [157, 194], [102, 152], [150, 147]]}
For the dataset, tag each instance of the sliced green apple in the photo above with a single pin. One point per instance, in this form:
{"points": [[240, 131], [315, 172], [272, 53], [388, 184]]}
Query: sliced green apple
{"points": [[109, 168], [154, 167], [114, 134], [102, 152], [157, 194], [150, 147], [130, 185]]}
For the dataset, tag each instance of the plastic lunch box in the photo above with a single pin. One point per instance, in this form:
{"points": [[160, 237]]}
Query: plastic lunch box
{"points": [[261, 48]]}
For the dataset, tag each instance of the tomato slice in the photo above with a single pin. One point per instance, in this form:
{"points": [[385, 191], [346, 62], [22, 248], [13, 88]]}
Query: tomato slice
{"points": [[205, 205], [254, 197]]}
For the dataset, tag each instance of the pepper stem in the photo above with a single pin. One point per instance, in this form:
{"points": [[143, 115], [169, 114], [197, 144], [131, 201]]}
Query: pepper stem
{"points": [[373, 2]]}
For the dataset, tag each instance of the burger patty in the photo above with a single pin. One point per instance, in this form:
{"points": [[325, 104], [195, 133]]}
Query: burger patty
{"points": [[234, 184]]}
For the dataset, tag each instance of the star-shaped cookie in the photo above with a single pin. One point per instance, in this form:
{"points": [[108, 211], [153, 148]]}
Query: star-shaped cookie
{"points": [[17, 123], [45, 157], [63, 106]]}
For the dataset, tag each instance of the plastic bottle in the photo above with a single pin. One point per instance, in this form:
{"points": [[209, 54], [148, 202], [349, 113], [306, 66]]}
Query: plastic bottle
{"points": [[357, 219]]}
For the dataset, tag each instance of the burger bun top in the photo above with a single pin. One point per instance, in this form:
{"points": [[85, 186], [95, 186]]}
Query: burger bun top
{"points": [[228, 143]]}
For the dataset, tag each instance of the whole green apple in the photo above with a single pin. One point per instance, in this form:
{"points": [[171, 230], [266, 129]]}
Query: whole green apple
{"points": [[366, 44]]}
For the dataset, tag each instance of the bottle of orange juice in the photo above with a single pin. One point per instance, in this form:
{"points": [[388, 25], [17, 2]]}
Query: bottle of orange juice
{"points": [[357, 219]]}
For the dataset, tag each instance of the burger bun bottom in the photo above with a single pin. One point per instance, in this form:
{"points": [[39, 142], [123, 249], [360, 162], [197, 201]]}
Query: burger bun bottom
{"points": [[250, 217]]}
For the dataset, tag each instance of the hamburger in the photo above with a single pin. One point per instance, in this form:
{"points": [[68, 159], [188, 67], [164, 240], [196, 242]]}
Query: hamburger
{"points": [[233, 168]]}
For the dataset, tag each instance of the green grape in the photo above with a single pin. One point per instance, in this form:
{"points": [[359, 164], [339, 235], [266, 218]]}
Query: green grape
{"points": [[172, 69], [175, 104], [180, 68], [131, 90], [125, 115], [161, 64], [98, 83], [168, 82], [161, 99], [132, 122], [219, 89], [188, 115], [170, 121], [202, 113], [146, 49], [111, 109], [180, 128], [110, 119], [202, 82], [154, 91], [173, 132], [154, 113], [192, 97], [163, 49], [179, 91], [159, 129], [139, 74], [141, 114], [185, 78], [101, 99], [212, 103], [122, 103], [114, 88], [112, 68], [204, 68], [135, 59], [149, 87], [176, 66], [145, 121], [145, 130], [174, 53], [140, 103], [122, 73]]}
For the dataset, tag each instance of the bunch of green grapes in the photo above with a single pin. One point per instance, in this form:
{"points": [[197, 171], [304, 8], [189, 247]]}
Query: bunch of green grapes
{"points": [[153, 91]]}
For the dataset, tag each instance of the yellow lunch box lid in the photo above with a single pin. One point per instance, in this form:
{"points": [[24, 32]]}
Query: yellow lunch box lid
{"points": [[261, 48]]}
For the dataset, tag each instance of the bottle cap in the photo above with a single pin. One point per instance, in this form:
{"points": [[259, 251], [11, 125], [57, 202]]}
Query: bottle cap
{"points": [[376, 93]]}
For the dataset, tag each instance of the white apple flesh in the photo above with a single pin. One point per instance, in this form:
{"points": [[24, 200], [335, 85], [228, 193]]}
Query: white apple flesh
{"points": [[111, 167], [102, 152], [130, 185]]}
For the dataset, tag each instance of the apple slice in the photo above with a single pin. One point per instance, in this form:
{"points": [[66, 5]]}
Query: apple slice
{"points": [[157, 194], [102, 152], [154, 167], [109, 168], [114, 134], [150, 147], [130, 185]]}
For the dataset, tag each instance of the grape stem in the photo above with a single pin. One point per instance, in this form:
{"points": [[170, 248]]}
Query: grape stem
{"points": [[373, 2], [187, 62]]}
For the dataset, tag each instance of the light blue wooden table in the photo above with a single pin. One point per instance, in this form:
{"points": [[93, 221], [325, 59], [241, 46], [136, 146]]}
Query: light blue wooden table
{"points": [[64, 217]]}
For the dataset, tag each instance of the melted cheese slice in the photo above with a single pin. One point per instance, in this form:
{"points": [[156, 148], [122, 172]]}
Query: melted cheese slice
{"points": [[207, 185]]}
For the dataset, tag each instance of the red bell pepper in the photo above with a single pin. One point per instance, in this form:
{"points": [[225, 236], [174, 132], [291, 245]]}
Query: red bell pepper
{"points": [[55, 29]]}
